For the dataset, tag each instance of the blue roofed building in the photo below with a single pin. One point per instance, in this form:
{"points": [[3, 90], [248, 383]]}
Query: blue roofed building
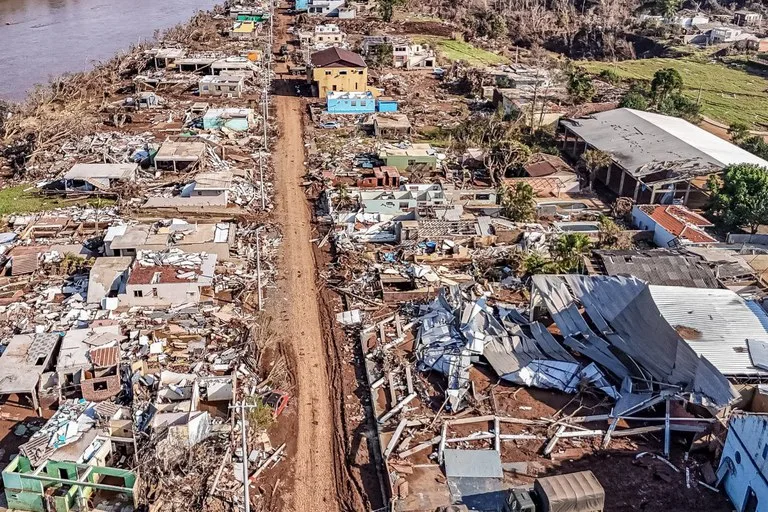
{"points": [[340, 102]]}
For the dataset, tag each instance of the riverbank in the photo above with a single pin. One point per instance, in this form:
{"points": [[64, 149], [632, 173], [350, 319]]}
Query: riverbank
{"points": [[42, 39]]}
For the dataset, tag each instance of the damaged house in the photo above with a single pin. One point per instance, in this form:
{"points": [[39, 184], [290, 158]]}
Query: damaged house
{"points": [[88, 363], [656, 158], [168, 278], [181, 154], [98, 177], [25, 358], [125, 240]]}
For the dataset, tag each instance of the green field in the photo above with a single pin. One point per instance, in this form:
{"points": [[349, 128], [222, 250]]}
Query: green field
{"points": [[727, 94], [459, 50], [25, 199]]}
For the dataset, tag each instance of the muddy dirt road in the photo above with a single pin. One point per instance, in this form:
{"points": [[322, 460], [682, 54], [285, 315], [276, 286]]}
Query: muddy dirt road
{"points": [[315, 464]]}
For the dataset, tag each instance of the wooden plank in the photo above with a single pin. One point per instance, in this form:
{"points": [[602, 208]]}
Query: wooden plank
{"points": [[473, 419], [552, 442], [419, 447]]}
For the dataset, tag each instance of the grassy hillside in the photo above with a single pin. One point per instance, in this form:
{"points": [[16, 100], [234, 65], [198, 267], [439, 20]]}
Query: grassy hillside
{"points": [[459, 50], [728, 94]]}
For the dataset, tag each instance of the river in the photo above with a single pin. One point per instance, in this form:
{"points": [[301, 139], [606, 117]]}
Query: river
{"points": [[40, 39]]}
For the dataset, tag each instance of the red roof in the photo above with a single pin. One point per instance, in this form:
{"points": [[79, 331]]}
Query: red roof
{"points": [[680, 222], [165, 274]]}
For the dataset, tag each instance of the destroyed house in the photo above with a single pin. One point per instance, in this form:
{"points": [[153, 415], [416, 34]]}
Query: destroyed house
{"points": [[236, 119], [379, 177], [67, 463], [165, 57], [412, 56], [418, 156], [668, 334], [88, 363], [672, 225], [180, 155], [743, 467], [93, 177], [124, 240], [233, 65], [653, 156], [401, 201], [107, 278], [168, 279], [221, 85], [244, 29], [325, 7], [25, 358], [67, 486], [391, 126], [210, 184]]}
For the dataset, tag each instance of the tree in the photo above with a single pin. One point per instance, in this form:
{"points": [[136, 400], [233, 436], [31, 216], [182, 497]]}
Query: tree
{"points": [[667, 8], [381, 56], [568, 251], [505, 155], [756, 145], [738, 132], [610, 233], [535, 263], [665, 82], [594, 160], [387, 8], [517, 201], [635, 100], [678, 105], [741, 197], [580, 86], [610, 76]]}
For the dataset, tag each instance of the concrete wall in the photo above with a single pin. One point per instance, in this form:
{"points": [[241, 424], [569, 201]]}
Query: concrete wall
{"points": [[161, 294], [402, 162], [387, 106]]}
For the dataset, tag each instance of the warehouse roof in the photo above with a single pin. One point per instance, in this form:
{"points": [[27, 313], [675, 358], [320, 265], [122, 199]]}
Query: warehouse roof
{"points": [[636, 139]]}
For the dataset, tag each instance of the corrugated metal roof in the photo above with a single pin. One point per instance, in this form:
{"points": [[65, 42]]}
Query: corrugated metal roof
{"points": [[636, 139], [715, 323], [472, 463]]}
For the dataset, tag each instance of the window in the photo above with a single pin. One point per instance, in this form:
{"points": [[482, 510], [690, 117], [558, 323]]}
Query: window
{"points": [[334, 87], [40, 361], [342, 72], [353, 103], [154, 292], [138, 293], [360, 72], [765, 451], [327, 73], [100, 386], [403, 206], [737, 457], [411, 161], [483, 197]]}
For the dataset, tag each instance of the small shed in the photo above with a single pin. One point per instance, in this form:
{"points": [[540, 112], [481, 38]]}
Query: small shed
{"points": [[386, 104], [237, 119], [572, 492]]}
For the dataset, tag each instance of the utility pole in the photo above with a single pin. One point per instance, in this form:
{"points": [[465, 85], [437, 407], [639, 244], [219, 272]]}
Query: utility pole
{"points": [[261, 180], [258, 266], [246, 483]]}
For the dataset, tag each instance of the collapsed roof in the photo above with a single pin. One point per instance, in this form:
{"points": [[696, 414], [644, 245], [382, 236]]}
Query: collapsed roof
{"points": [[634, 341]]}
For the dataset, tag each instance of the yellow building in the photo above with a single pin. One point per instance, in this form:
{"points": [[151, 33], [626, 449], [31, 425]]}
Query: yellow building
{"points": [[336, 69]]}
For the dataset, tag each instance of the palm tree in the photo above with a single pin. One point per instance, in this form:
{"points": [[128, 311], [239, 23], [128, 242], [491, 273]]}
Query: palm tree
{"points": [[594, 160], [568, 250]]}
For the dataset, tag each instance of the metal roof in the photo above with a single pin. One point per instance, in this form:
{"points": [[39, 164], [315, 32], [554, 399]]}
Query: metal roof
{"points": [[635, 139], [715, 323], [472, 463]]}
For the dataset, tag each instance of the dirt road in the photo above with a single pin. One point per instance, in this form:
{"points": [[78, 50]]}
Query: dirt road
{"points": [[299, 324]]}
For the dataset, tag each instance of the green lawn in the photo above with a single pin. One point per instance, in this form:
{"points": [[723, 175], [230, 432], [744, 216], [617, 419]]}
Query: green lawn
{"points": [[459, 50], [727, 94], [25, 199]]}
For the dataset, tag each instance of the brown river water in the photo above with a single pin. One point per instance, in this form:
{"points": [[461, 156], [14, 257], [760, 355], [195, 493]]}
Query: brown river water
{"points": [[40, 39]]}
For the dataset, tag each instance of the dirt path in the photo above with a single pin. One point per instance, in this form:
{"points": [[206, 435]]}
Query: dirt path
{"points": [[299, 323]]}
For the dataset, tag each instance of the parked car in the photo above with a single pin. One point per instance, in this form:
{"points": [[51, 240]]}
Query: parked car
{"points": [[330, 125]]}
